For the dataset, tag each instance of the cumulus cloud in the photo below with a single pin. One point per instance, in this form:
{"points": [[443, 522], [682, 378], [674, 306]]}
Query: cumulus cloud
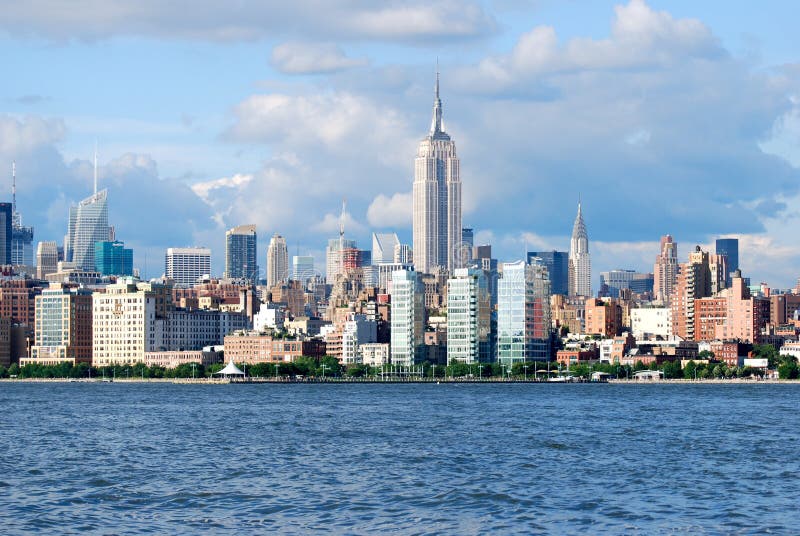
{"points": [[641, 38], [330, 224], [205, 189], [342, 121], [312, 58], [247, 20], [387, 212], [29, 134]]}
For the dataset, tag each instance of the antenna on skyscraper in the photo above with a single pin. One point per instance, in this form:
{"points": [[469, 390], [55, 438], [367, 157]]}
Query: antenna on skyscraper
{"points": [[341, 237], [95, 167], [13, 186]]}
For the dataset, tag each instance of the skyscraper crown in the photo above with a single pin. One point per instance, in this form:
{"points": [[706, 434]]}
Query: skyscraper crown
{"points": [[437, 130], [579, 228]]}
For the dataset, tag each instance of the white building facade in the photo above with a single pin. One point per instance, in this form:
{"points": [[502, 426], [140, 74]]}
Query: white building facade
{"points": [[651, 322], [436, 197], [469, 327], [407, 318], [185, 266], [580, 261], [277, 261]]}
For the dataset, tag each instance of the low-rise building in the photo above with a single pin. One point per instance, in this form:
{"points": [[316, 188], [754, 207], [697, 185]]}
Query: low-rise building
{"points": [[374, 354], [651, 322], [252, 347]]}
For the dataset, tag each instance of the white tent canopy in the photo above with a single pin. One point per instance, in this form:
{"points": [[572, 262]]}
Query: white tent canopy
{"points": [[231, 370]]}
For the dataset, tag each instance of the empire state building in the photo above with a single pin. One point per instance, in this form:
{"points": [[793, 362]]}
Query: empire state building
{"points": [[437, 198]]}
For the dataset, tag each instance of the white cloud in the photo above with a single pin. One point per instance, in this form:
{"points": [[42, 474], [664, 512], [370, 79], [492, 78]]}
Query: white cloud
{"points": [[26, 135], [312, 58], [330, 225], [246, 20], [640, 38], [205, 189], [390, 212], [341, 119]]}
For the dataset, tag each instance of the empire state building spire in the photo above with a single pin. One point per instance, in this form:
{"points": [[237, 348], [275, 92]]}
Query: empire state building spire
{"points": [[436, 197], [437, 129]]}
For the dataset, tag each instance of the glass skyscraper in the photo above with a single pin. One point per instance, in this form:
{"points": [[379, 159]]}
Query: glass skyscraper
{"points": [[469, 320], [730, 248], [523, 313], [557, 263], [113, 258], [88, 224], [5, 233], [240, 253], [408, 318]]}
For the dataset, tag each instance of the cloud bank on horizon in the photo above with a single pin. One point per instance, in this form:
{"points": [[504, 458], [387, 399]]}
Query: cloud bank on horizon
{"points": [[658, 125]]}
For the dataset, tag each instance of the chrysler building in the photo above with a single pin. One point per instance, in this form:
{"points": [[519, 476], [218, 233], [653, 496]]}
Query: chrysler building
{"points": [[580, 262]]}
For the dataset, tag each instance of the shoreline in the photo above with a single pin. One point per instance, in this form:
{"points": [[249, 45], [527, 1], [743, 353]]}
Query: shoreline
{"points": [[259, 380]]}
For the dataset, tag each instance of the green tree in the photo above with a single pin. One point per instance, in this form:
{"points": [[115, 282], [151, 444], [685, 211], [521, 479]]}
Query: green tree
{"points": [[332, 367], [768, 352], [358, 371], [672, 370], [788, 370], [690, 370], [705, 354]]}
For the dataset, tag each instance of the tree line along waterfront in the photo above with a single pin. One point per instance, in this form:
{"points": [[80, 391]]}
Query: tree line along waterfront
{"points": [[329, 367]]}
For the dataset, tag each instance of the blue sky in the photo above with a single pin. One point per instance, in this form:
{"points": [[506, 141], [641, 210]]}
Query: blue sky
{"points": [[665, 116]]}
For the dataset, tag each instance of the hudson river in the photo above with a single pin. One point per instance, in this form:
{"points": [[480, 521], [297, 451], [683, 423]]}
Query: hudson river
{"points": [[408, 459]]}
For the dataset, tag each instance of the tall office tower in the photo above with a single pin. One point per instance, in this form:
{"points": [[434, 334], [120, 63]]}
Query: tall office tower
{"points": [[436, 197], [730, 248], [469, 317], [523, 313], [5, 233], [302, 268], [21, 236], [408, 318], [46, 259], [613, 281], [333, 259], [580, 261], [186, 266], [240, 253], [693, 282], [277, 261], [665, 270], [113, 258], [468, 237], [63, 328], [88, 223], [403, 254], [383, 245], [720, 273], [557, 263]]}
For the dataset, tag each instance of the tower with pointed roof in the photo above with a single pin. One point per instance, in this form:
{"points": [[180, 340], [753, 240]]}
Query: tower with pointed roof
{"points": [[580, 261], [436, 197]]}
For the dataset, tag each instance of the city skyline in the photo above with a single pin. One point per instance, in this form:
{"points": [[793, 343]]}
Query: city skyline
{"points": [[512, 183]]}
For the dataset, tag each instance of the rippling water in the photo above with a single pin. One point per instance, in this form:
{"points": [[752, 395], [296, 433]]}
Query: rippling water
{"points": [[412, 459]]}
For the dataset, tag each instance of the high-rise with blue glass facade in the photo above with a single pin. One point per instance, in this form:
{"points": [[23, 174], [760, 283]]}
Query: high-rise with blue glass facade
{"points": [[113, 258], [240, 253]]}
